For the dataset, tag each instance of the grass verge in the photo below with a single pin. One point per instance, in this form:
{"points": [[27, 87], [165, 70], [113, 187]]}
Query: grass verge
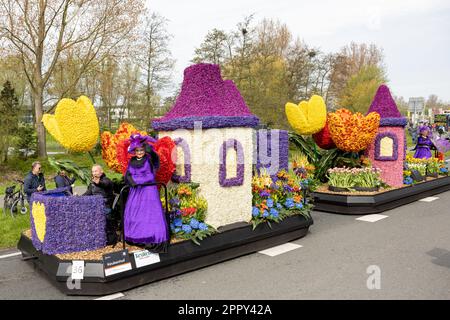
{"points": [[11, 229]]}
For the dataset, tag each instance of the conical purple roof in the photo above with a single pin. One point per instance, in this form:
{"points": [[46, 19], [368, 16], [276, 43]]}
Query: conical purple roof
{"points": [[205, 97], [384, 104]]}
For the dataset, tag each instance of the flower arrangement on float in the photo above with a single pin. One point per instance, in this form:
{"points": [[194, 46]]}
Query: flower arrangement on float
{"points": [[188, 213], [275, 199], [407, 177], [432, 166], [355, 178]]}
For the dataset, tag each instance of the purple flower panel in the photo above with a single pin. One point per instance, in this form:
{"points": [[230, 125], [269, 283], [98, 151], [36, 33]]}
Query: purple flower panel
{"points": [[207, 122], [206, 97], [73, 224], [378, 139], [239, 179], [384, 104], [265, 153], [187, 162], [393, 122]]}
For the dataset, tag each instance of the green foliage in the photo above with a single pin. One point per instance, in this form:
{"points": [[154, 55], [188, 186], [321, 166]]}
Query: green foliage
{"points": [[361, 88], [26, 142], [81, 173], [9, 120], [11, 229], [305, 146], [321, 159]]}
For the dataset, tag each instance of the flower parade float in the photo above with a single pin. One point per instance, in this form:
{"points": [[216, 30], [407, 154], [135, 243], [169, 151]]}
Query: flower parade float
{"points": [[361, 162], [227, 190]]}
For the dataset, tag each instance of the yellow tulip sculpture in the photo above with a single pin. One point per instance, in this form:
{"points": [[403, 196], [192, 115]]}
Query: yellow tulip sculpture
{"points": [[74, 125], [309, 117]]}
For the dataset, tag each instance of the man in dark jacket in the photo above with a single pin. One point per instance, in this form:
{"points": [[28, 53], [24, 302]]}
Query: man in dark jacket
{"points": [[63, 181], [101, 185], [34, 181]]}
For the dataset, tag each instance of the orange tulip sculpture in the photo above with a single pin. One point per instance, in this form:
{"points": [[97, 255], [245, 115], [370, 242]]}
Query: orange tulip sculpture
{"points": [[353, 132]]}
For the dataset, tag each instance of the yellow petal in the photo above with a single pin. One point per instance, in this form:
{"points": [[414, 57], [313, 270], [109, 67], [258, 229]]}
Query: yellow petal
{"points": [[39, 219], [74, 125], [307, 117], [52, 126]]}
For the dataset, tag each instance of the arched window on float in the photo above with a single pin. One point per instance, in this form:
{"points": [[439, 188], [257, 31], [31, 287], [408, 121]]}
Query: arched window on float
{"points": [[386, 147], [183, 164], [231, 168]]}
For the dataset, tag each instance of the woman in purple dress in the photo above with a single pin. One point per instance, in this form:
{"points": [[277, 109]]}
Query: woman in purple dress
{"points": [[424, 145], [145, 222]]}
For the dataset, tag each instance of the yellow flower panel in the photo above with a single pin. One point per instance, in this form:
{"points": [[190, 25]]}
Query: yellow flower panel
{"points": [[40, 220]]}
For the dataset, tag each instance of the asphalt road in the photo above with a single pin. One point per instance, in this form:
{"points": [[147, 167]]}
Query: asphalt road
{"points": [[411, 249]]}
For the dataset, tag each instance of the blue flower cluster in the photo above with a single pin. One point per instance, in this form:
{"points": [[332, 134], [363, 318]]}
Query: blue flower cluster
{"points": [[178, 226], [444, 170], [289, 203], [408, 181], [274, 213]]}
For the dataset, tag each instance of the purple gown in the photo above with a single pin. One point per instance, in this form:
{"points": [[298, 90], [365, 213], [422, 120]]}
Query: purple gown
{"points": [[423, 148], [145, 223]]}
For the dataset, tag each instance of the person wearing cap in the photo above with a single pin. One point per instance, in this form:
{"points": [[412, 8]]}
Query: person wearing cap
{"points": [[144, 219], [424, 144]]}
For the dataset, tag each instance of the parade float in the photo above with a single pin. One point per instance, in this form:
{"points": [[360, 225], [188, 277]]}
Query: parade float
{"points": [[227, 189], [361, 161]]}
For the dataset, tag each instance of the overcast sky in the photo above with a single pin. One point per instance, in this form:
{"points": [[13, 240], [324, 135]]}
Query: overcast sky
{"points": [[415, 35]]}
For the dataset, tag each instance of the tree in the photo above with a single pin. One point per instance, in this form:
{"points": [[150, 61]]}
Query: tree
{"points": [[360, 90], [41, 32], [25, 140], [155, 60], [347, 63], [402, 105], [9, 64], [214, 48], [9, 120]]}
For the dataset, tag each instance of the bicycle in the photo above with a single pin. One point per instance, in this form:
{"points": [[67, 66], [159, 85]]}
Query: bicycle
{"points": [[14, 201]]}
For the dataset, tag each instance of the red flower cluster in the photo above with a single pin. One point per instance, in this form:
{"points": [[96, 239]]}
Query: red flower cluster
{"points": [[188, 211], [164, 147], [323, 138]]}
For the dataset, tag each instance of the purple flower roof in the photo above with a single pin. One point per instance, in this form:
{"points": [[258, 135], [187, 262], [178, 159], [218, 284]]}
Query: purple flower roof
{"points": [[384, 104], [206, 97]]}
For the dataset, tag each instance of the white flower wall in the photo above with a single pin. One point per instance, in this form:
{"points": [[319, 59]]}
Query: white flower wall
{"points": [[226, 205]]}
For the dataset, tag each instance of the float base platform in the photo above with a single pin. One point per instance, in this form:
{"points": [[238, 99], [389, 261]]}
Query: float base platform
{"points": [[232, 242], [377, 203]]}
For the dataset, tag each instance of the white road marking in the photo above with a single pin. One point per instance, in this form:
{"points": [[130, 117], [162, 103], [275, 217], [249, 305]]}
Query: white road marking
{"points": [[112, 296], [11, 255], [429, 199], [372, 218], [275, 251]]}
